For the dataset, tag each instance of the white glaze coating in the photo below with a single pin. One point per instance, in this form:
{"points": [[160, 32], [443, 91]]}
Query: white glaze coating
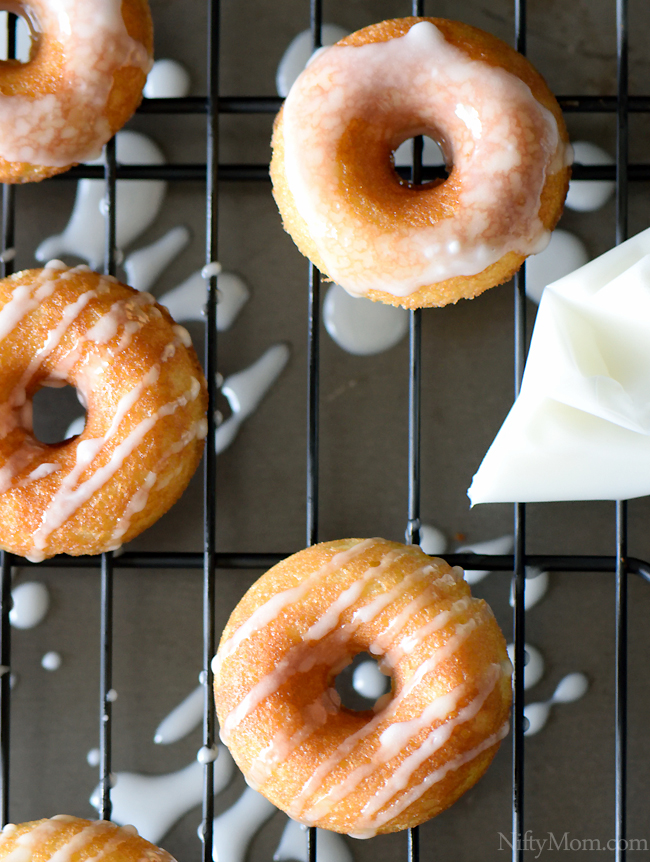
{"points": [[31, 602], [57, 130], [235, 828], [293, 845], [298, 53], [137, 206], [360, 326], [571, 688], [153, 803], [187, 300], [167, 79], [426, 84], [51, 660], [182, 719], [144, 266], [589, 195], [246, 389], [369, 681]]}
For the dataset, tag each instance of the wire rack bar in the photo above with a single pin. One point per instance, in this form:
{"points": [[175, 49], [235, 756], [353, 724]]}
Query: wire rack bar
{"points": [[519, 568], [106, 578], [620, 713], [210, 459]]}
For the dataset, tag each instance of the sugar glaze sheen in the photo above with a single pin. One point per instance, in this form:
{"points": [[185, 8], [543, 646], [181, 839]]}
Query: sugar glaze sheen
{"points": [[499, 124]]}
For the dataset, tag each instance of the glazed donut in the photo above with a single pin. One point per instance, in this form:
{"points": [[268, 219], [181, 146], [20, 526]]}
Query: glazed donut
{"points": [[422, 746], [135, 371], [65, 838], [504, 140], [84, 79]]}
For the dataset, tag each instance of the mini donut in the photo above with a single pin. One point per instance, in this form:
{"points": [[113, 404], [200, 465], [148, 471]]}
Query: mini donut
{"points": [[505, 144], [422, 746], [143, 388], [65, 838], [84, 79]]}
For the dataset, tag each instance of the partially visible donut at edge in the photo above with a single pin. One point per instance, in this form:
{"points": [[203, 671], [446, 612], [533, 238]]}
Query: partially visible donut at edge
{"points": [[423, 745], [138, 376], [504, 140], [84, 79]]}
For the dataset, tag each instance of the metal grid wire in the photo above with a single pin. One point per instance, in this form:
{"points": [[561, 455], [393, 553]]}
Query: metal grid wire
{"points": [[618, 563]]}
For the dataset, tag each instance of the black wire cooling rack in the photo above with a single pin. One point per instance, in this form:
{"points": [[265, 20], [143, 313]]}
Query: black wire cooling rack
{"points": [[619, 563]]}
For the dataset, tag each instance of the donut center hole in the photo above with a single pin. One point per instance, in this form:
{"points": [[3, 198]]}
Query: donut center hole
{"points": [[57, 413], [17, 35], [434, 163], [361, 683]]}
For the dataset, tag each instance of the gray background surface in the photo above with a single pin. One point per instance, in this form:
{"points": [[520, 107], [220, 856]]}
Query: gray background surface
{"points": [[467, 390]]}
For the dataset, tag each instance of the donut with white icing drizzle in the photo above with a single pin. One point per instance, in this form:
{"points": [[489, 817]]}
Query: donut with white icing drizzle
{"points": [[145, 395], [65, 838], [89, 62], [500, 128], [421, 746]]}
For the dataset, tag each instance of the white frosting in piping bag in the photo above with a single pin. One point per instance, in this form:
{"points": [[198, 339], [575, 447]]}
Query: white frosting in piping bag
{"points": [[580, 429], [504, 144]]}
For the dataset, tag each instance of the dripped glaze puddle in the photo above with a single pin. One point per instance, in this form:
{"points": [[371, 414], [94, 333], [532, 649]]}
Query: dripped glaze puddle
{"points": [[361, 326], [138, 204], [246, 389], [182, 719], [31, 601], [571, 688]]}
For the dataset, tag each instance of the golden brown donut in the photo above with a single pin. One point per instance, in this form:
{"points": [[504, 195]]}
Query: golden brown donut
{"points": [[345, 207], [138, 376], [72, 839], [84, 79], [366, 772]]}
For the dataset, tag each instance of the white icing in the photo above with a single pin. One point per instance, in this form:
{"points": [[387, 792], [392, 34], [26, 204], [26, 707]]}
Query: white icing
{"points": [[137, 205], [564, 253], [426, 84], [58, 130], [93, 757], [298, 53], [502, 545], [144, 266], [207, 755], [414, 793], [569, 689], [589, 195], [246, 389], [51, 661], [537, 584], [111, 695], [331, 847], [182, 719], [31, 602], [153, 803], [234, 829], [210, 270], [432, 540], [369, 681], [167, 80], [534, 664], [580, 429], [360, 326], [187, 300]]}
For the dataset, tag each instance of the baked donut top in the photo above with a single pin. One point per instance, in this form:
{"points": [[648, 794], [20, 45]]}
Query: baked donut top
{"points": [[352, 107], [53, 108]]}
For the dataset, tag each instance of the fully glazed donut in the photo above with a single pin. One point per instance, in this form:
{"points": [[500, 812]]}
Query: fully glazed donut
{"points": [[422, 747], [138, 376], [84, 79], [499, 126], [66, 838]]}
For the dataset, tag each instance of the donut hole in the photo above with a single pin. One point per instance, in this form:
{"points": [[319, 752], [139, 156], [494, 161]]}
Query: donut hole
{"points": [[17, 35], [55, 409], [361, 683], [433, 159]]}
